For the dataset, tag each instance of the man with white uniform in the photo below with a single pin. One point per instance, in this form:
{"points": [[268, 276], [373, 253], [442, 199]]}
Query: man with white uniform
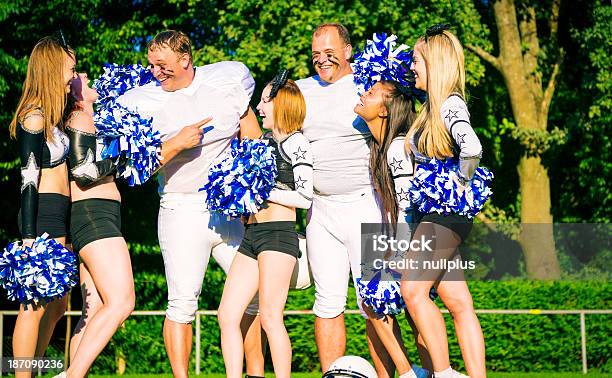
{"points": [[214, 101], [344, 196]]}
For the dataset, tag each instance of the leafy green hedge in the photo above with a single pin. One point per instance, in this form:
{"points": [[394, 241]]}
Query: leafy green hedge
{"points": [[515, 343]]}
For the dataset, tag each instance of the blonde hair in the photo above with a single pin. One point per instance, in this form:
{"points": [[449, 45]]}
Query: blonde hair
{"points": [[289, 108], [44, 86], [444, 61], [175, 40]]}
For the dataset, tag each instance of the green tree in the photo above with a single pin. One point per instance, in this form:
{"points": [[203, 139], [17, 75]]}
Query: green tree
{"points": [[530, 77], [584, 106]]}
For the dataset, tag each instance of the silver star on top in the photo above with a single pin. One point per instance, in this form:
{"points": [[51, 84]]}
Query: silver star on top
{"points": [[299, 183], [396, 165], [299, 154], [30, 173], [87, 168], [460, 139], [452, 114], [403, 196]]}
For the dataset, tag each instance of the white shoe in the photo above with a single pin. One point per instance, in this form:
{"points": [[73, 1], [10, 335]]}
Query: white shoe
{"points": [[61, 375], [456, 374]]}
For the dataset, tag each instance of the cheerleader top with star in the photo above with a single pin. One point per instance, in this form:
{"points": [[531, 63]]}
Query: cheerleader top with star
{"points": [[294, 184], [402, 170], [86, 166], [35, 154], [466, 145]]}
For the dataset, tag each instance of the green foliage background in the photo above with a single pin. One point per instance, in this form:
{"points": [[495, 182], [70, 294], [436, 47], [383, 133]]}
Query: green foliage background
{"points": [[267, 35]]}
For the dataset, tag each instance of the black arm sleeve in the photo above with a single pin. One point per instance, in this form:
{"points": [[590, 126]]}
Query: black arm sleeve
{"points": [[85, 170], [30, 153]]}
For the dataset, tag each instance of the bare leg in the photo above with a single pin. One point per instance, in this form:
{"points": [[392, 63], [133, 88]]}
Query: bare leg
{"points": [[415, 291], [25, 334], [330, 336], [108, 262], [29, 326], [389, 333], [178, 340], [275, 270], [54, 311], [254, 344], [457, 298], [420, 344], [383, 361], [240, 287], [91, 304]]}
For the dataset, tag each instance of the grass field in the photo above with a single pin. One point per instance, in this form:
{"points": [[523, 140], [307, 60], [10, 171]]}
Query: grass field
{"points": [[317, 375]]}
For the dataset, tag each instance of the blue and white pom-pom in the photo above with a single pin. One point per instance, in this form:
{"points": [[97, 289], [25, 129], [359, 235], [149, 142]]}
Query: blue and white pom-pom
{"points": [[130, 141], [241, 182], [381, 60], [383, 297], [42, 273], [128, 138], [118, 79], [433, 190]]}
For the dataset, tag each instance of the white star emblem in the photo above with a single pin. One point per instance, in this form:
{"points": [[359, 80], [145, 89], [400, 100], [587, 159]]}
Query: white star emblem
{"points": [[30, 173], [396, 165], [299, 154], [86, 168], [451, 114], [460, 139], [403, 196], [299, 183]]}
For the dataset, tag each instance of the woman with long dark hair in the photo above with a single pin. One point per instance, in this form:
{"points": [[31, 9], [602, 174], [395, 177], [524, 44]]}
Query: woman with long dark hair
{"points": [[388, 110]]}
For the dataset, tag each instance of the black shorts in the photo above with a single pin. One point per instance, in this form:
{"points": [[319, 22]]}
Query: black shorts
{"points": [[459, 224], [94, 219], [270, 236], [53, 214]]}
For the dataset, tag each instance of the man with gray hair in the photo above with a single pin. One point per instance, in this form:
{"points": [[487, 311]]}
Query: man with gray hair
{"points": [[344, 195]]}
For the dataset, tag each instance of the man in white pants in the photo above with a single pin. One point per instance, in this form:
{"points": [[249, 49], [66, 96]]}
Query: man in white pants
{"points": [[214, 101], [344, 196]]}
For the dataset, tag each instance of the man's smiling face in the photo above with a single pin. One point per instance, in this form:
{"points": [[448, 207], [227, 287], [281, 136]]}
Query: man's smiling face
{"points": [[330, 55], [169, 68]]}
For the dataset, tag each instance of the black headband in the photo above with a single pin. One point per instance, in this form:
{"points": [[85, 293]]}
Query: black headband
{"points": [[435, 30], [59, 37], [405, 90], [278, 82]]}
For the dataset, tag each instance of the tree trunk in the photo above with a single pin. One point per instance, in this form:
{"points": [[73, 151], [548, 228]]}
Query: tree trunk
{"points": [[537, 241], [536, 236]]}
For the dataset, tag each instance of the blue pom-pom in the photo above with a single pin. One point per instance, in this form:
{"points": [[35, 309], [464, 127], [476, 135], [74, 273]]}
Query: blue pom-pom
{"points": [[381, 60], [383, 297], [241, 182], [128, 138], [433, 190], [130, 141], [118, 79], [42, 273]]}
